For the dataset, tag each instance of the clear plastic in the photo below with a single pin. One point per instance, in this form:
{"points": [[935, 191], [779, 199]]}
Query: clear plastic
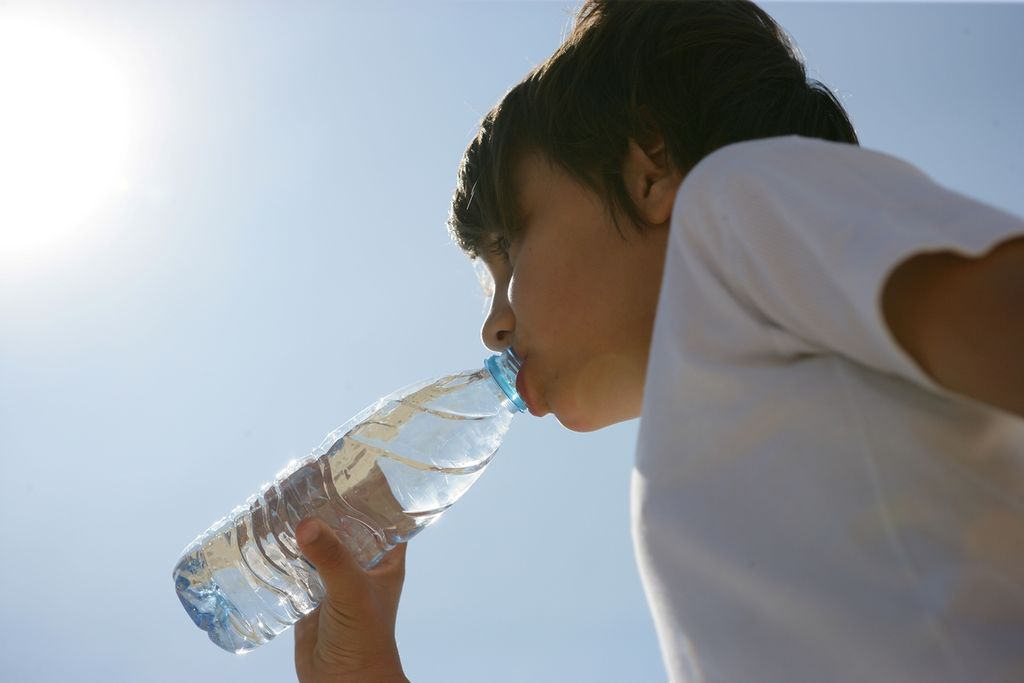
{"points": [[377, 480]]}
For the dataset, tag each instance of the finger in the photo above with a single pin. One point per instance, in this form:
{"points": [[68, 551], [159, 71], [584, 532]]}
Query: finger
{"points": [[392, 564], [343, 578], [387, 579], [306, 637], [389, 575]]}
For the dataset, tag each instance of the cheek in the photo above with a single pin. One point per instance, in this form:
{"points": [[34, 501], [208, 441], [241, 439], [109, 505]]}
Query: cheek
{"points": [[605, 385], [605, 374], [549, 287], [551, 310]]}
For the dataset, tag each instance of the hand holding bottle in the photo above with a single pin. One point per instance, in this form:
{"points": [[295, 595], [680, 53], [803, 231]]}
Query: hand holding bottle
{"points": [[350, 636], [377, 481]]}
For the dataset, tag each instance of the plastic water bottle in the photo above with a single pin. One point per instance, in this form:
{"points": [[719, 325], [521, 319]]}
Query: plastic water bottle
{"points": [[377, 480]]}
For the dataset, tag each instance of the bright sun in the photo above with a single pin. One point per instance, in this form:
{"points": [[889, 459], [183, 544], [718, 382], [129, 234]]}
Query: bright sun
{"points": [[65, 135]]}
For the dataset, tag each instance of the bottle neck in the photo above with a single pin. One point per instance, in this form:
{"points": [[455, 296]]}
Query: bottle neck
{"points": [[503, 369]]}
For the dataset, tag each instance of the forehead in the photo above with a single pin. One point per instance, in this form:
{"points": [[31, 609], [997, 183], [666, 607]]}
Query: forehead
{"points": [[536, 179], [530, 171]]}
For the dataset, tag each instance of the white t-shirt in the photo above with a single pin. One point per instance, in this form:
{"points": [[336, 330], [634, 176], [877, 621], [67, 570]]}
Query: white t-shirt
{"points": [[808, 505]]}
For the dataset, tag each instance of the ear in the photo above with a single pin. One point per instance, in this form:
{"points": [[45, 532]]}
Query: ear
{"points": [[651, 180]]}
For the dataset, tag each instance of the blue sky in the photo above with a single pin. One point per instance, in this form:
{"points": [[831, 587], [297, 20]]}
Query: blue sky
{"points": [[277, 259]]}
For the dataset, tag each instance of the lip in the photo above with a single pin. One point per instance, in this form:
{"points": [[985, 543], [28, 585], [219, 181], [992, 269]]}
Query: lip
{"points": [[524, 391]]}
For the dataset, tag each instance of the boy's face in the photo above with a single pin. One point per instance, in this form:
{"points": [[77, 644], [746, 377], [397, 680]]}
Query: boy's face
{"points": [[576, 300]]}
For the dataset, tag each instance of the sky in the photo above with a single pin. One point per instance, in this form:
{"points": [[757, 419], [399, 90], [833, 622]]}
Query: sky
{"points": [[223, 233]]}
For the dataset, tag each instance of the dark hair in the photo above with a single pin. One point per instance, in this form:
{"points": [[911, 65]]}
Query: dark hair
{"points": [[700, 73]]}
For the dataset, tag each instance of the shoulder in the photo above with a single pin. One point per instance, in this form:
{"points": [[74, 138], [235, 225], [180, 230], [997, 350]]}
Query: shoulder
{"points": [[792, 183], [791, 163]]}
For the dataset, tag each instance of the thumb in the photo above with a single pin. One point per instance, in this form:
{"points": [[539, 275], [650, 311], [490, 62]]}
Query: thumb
{"points": [[341, 574]]}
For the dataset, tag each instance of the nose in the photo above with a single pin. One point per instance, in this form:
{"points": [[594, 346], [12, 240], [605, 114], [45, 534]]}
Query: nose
{"points": [[499, 324]]}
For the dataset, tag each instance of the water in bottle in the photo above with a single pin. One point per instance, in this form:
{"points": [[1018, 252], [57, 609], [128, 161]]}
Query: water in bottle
{"points": [[377, 480]]}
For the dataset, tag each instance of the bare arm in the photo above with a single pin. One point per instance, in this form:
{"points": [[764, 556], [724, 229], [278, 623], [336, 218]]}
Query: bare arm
{"points": [[962, 320]]}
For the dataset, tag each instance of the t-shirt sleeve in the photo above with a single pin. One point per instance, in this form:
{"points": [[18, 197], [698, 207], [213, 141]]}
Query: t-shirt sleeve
{"points": [[803, 233]]}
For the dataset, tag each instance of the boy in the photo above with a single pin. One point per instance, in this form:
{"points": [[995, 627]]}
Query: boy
{"points": [[824, 347]]}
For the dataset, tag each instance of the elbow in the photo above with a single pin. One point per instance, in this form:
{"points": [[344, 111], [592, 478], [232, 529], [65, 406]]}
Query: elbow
{"points": [[962, 320]]}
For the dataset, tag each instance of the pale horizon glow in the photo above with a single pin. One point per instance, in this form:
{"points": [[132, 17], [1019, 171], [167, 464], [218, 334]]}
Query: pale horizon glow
{"points": [[66, 129]]}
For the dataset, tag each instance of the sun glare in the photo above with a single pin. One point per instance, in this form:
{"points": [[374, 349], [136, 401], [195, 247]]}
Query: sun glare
{"points": [[65, 135]]}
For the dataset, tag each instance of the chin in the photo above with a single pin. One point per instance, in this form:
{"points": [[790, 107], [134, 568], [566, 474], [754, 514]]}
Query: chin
{"points": [[577, 426], [587, 423]]}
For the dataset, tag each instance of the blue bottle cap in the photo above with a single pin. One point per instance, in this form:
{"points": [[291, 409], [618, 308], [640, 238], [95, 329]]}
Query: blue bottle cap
{"points": [[503, 369]]}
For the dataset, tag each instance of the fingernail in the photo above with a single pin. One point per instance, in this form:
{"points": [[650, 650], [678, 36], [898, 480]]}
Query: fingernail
{"points": [[307, 532]]}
